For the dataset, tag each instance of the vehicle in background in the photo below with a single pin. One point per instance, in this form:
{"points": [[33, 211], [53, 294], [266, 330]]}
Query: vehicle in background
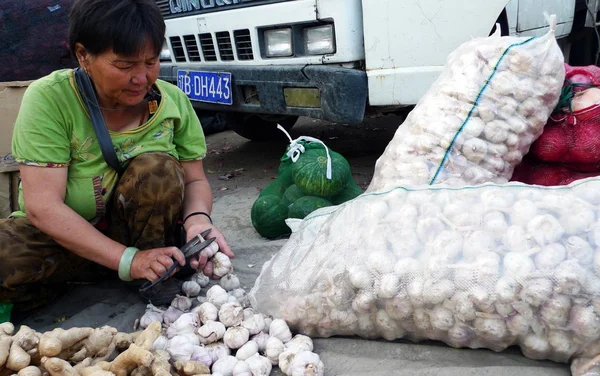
{"points": [[264, 62]]}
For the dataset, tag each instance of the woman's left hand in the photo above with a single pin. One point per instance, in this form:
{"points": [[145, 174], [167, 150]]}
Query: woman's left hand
{"points": [[201, 262]]}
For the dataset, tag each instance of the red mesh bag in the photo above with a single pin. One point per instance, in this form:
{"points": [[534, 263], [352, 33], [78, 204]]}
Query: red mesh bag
{"points": [[533, 172], [573, 138]]}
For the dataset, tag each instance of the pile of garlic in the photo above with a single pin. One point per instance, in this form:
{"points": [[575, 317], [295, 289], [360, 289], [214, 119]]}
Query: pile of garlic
{"points": [[481, 116], [221, 331], [480, 267]]}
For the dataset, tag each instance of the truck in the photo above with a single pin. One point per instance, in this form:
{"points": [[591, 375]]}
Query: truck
{"points": [[260, 63]]}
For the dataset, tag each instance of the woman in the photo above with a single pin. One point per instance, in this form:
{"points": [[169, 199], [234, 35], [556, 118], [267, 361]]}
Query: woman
{"points": [[79, 217]]}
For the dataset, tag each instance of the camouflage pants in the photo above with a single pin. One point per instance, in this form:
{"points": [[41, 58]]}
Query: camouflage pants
{"points": [[145, 208]]}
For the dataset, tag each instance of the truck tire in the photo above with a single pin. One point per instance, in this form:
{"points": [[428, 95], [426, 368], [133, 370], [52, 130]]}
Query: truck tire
{"points": [[212, 122], [256, 127]]}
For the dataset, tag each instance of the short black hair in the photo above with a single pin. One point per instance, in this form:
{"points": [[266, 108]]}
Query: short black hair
{"points": [[123, 25]]}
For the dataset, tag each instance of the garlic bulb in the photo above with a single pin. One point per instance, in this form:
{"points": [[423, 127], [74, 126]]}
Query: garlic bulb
{"points": [[201, 279], [259, 365], [202, 355], [191, 289], [306, 363], [211, 332], [181, 349], [230, 282], [225, 365], [218, 351], [242, 368], [182, 303], [247, 350], [231, 314], [186, 323], [236, 336], [255, 324], [274, 348], [241, 296], [280, 329], [300, 343], [161, 343], [261, 340], [217, 295], [207, 312], [149, 317], [221, 264], [171, 315]]}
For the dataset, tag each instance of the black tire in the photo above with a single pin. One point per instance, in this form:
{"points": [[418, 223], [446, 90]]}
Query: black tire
{"points": [[257, 127], [212, 122]]}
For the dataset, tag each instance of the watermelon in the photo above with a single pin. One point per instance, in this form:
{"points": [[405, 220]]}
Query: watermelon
{"points": [[276, 188], [268, 217], [351, 191], [292, 194], [306, 205], [310, 173]]}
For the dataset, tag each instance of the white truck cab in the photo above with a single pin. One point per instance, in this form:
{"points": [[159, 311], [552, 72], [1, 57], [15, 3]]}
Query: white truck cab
{"points": [[265, 62]]}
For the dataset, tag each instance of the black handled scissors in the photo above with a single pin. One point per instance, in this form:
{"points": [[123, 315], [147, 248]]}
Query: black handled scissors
{"points": [[191, 248]]}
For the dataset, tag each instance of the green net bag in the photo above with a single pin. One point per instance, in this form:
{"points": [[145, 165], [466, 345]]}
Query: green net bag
{"points": [[310, 176]]}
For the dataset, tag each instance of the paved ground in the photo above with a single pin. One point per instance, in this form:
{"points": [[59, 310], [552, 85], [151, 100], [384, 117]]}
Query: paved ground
{"points": [[254, 164]]}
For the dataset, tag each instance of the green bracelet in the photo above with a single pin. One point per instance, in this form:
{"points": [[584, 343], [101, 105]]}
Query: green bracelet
{"points": [[125, 263]]}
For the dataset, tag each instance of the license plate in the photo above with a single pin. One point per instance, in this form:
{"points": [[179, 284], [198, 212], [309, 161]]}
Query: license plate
{"points": [[210, 87]]}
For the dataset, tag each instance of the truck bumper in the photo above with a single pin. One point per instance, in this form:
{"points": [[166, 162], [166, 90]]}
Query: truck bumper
{"points": [[341, 96]]}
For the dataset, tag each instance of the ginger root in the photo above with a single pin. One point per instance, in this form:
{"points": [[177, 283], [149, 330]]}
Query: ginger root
{"points": [[5, 342], [26, 338], [147, 338], [7, 328], [161, 365], [142, 371], [70, 342], [123, 341], [30, 371], [99, 344], [58, 367], [191, 368], [131, 358], [17, 358]]}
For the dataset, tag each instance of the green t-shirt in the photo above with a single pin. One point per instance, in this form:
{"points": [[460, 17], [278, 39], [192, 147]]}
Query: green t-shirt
{"points": [[53, 129]]}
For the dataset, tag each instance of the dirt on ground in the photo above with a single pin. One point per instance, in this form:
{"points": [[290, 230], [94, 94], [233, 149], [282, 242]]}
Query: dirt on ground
{"points": [[234, 162]]}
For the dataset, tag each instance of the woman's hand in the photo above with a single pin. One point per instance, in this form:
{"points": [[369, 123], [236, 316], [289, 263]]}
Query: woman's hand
{"points": [[200, 261], [153, 263]]}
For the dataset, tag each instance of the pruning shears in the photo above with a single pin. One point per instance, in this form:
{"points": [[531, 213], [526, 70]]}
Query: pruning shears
{"points": [[191, 248]]}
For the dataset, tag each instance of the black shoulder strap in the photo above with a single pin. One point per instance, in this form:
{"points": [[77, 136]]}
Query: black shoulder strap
{"points": [[84, 84]]}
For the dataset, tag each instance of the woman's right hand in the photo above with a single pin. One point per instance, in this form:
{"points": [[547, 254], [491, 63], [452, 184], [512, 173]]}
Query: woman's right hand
{"points": [[153, 263]]}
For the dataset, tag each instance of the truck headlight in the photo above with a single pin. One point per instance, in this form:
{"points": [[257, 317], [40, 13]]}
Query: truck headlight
{"points": [[319, 40], [165, 53], [278, 42]]}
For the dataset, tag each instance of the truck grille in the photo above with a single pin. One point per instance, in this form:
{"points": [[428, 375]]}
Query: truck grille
{"points": [[207, 51], [243, 44], [225, 47], [192, 47], [177, 47], [208, 47]]}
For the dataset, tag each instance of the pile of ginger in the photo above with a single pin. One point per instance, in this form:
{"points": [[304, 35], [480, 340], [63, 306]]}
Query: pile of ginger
{"points": [[87, 352]]}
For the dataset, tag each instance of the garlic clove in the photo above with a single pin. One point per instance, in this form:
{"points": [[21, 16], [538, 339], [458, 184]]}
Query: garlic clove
{"points": [[306, 363], [261, 339], [218, 350], [221, 264], [200, 279], [182, 303], [254, 324], [242, 368]]}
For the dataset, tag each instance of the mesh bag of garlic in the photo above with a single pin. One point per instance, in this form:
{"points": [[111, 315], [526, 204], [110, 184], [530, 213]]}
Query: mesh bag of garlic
{"points": [[483, 266], [480, 117]]}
